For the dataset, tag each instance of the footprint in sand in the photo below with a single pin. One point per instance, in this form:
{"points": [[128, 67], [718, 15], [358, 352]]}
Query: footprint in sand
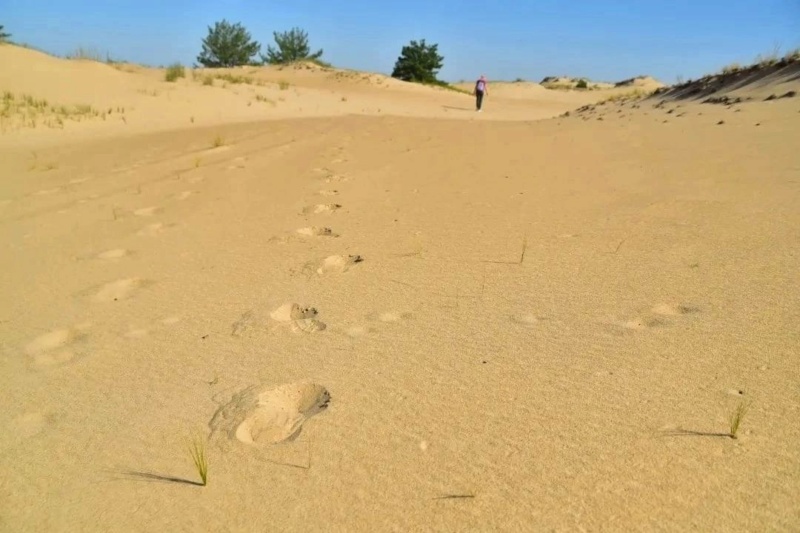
{"points": [[113, 254], [147, 211], [320, 209], [336, 179], [258, 417], [658, 316], [300, 319], [328, 192], [316, 231], [55, 347], [29, 425], [151, 230], [118, 290], [338, 264]]}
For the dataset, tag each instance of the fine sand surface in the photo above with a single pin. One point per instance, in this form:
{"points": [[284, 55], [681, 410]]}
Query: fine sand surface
{"points": [[381, 311]]}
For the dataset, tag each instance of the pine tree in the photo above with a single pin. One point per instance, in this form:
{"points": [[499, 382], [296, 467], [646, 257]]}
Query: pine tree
{"points": [[3, 35], [418, 62], [292, 46], [227, 45]]}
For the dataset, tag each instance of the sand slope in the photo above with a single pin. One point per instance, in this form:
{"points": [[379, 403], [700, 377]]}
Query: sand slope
{"points": [[396, 323]]}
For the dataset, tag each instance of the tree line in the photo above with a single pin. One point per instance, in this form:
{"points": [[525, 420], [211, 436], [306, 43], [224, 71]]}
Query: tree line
{"points": [[231, 45]]}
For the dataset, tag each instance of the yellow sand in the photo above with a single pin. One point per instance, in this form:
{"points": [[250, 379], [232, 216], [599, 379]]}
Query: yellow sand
{"points": [[550, 321]]}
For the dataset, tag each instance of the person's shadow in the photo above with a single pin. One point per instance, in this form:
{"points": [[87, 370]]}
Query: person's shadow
{"points": [[457, 108]]}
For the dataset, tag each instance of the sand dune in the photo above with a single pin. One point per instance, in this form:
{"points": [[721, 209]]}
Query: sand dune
{"points": [[93, 98], [379, 310]]}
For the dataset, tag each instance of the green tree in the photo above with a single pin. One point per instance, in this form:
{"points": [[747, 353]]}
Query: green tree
{"points": [[418, 62], [292, 46], [3, 35], [227, 45]]}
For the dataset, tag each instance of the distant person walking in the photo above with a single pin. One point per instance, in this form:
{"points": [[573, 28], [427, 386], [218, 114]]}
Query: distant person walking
{"points": [[481, 90]]}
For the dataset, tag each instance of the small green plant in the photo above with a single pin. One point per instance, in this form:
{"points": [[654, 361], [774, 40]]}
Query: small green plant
{"points": [[174, 71], [736, 418], [283, 85], [218, 141], [208, 80], [198, 452]]}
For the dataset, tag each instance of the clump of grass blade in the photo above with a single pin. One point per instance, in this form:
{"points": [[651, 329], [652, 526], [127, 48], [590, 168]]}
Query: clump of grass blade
{"points": [[174, 71], [736, 418], [198, 452]]}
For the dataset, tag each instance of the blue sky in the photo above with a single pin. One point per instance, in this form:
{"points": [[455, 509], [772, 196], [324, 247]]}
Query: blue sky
{"points": [[600, 39]]}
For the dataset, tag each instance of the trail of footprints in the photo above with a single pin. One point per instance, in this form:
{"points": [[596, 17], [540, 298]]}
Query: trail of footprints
{"points": [[265, 417], [67, 344], [259, 415]]}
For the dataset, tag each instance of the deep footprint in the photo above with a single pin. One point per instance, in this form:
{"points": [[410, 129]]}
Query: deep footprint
{"points": [[300, 319], [320, 209], [272, 416], [338, 264], [314, 231]]}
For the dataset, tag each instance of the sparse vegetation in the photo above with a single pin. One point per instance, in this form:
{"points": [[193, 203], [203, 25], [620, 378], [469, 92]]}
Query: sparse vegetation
{"points": [[4, 36], [283, 85], [174, 72], [262, 98], [26, 111], [635, 94], [85, 54], [227, 45], [218, 141], [736, 418], [445, 85], [418, 62], [292, 46], [730, 69], [233, 79], [198, 452], [582, 84]]}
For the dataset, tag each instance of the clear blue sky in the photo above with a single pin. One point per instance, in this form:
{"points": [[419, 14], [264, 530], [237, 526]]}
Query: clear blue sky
{"points": [[600, 39]]}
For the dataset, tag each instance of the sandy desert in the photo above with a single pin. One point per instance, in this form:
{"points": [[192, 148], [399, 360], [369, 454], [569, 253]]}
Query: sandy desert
{"points": [[374, 309]]}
